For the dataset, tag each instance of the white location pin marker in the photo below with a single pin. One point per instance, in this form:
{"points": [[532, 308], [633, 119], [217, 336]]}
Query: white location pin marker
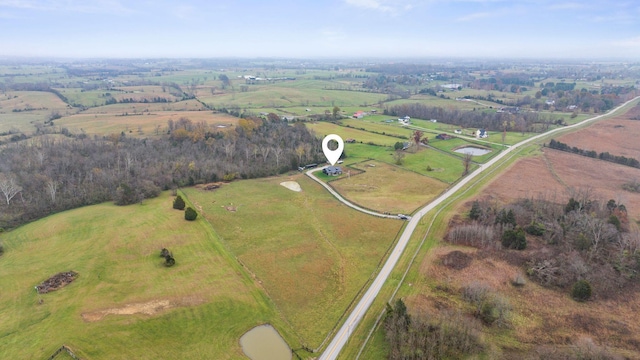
{"points": [[332, 155]]}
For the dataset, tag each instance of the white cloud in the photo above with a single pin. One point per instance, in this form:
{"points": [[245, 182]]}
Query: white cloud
{"points": [[568, 6], [94, 6], [474, 16], [385, 6]]}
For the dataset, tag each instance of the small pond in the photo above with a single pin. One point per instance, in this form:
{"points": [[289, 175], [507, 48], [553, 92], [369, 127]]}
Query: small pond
{"points": [[264, 343], [475, 151]]}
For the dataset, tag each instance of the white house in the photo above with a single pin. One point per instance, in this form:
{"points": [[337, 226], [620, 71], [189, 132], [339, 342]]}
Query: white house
{"points": [[482, 133]]}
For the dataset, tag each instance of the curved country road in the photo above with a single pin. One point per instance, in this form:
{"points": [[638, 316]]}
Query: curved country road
{"points": [[343, 334]]}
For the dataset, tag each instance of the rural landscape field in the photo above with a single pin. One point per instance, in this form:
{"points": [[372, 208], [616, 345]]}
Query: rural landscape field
{"points": [[164, 209]]}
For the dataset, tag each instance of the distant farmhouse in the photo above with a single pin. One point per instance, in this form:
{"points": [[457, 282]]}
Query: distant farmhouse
{"points": [[359, 114], [332, 170], [444, 136], [509, 109], [482, 133], [405, 120]]}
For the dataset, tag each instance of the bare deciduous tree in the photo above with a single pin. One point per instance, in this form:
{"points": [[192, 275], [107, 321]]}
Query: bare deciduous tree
{"points": [[466, 162], [9, 187]]}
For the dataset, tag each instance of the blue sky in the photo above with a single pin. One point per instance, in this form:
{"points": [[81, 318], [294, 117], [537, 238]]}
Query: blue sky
{"points": [[321, 28]]}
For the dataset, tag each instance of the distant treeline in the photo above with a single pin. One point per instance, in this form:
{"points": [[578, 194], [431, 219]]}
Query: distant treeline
{"points": [[622, 160], [493, 121], [58, 173]]}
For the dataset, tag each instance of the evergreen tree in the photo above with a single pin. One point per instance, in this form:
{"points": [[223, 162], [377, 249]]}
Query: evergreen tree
{"points": [[190, 214], [178, 203]]}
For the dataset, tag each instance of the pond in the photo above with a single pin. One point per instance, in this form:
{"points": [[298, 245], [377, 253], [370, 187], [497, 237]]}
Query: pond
{"points": [[264, 343], [475, 151]]}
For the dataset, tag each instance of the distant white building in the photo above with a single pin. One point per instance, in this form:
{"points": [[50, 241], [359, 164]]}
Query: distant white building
{"points": [[482, 133], [405, 120]]}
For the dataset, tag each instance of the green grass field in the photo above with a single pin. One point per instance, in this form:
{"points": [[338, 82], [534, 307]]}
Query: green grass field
{"points": [[390, 129], [323, 128], [388, 188], [446, 168], [110, 123], [311, 253], [115, 250]]}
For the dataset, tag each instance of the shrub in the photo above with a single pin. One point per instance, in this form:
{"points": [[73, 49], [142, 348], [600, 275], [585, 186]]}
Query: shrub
{"points": [[164, 253], [476, 211], [1, 249], [190, 214], [535, 229], [514, 239], [490, 307], [229, 177], [178, 203], [581, 290], [169, 261]]}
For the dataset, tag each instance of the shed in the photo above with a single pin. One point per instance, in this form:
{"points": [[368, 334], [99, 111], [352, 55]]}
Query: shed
{"points": [[332, 170]]}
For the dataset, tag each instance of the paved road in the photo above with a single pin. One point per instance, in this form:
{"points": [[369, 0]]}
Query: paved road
{"points": [[341, 337]]}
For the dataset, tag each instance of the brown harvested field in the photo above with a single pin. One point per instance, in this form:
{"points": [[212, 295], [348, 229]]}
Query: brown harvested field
{"points": [[539, 316], [555, 173], [388, 188], [618, 136], [105, 124]]}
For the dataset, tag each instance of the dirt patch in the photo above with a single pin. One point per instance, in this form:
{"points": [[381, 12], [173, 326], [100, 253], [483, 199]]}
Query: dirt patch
{"points": [[210, 186], [56, 282], [147, 308], [230, 207], [456, 260], [291, 185]]}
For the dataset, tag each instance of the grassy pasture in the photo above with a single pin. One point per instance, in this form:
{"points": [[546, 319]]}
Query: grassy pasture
{"points": [[84, 98], [24, 120], [273, 96], [117, 258], [446, 168], [323, 128], [134, 108], [20, 100], [377, 126], [311, 254], [429, 100], [385, 187], [109, 123]]}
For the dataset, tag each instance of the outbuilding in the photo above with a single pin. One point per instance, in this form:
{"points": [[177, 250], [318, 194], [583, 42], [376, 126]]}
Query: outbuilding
{"points": [[332, 170]]}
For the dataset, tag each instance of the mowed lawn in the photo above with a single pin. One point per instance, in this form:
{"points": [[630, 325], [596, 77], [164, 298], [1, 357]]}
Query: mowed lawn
{"points": [[388, 188], [116, 250], [311, 253]]}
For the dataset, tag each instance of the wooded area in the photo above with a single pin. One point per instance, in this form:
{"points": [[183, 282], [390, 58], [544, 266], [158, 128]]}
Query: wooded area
{"points": [[51, 173]]}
